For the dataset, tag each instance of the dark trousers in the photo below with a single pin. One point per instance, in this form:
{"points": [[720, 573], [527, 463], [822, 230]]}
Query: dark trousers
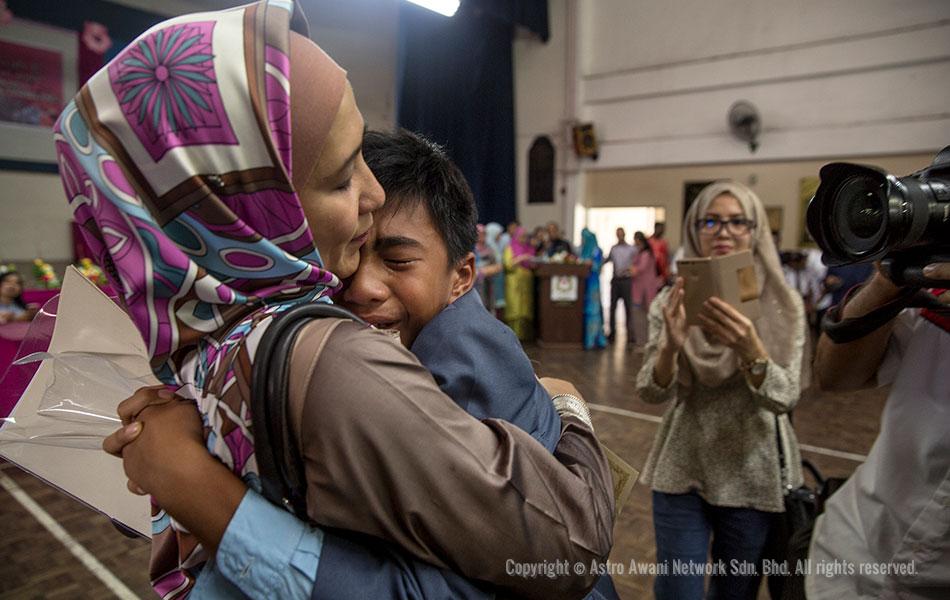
{"points": [[621, 288], [684, 523]]}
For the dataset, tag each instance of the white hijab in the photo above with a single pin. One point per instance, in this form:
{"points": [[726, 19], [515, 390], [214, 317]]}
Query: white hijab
{"points": [[708, 361]]}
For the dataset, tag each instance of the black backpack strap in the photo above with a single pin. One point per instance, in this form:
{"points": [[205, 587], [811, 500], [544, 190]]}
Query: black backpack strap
{"points": [[279, 464]]}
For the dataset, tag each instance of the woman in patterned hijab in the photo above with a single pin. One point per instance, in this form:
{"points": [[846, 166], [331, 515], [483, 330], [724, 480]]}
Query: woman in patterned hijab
{"points": [[177, 162]]}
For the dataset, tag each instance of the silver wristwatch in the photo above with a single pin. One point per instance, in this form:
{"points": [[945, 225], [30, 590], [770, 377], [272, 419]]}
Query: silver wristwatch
{"points": [[755, 366]]}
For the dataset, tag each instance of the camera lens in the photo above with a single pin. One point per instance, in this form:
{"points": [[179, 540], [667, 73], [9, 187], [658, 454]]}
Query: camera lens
{"points": [[865, 206], [861, 213], [859, 216]]}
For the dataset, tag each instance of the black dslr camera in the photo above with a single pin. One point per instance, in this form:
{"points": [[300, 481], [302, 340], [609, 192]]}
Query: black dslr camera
{"points": [[861, 214]]}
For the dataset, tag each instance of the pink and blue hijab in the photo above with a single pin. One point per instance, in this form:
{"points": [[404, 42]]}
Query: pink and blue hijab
{"points": [[176, 161]]}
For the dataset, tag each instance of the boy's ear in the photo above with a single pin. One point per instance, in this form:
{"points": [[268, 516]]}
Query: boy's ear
{"points": [[463, 276]]}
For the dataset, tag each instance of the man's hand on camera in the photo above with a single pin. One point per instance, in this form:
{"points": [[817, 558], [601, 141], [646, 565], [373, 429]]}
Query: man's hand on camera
{"points": [[880, 289], [853, 365], [937, 271]]}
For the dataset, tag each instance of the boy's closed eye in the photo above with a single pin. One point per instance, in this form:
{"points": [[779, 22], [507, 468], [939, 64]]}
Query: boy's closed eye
{"points": [[398, 252], [397, 262]]}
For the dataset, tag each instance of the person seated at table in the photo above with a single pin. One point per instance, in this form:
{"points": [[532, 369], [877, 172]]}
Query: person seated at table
{"points": [[12, 306]]}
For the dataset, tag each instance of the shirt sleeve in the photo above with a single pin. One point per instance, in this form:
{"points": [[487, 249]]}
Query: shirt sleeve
{"points": [[266, 552], [259, 558], [782, 386], [387, 454], [897, 344], [647, 387]]}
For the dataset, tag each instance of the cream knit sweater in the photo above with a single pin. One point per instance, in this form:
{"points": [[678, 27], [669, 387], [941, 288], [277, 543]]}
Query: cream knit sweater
{"points": [[721, 442]]}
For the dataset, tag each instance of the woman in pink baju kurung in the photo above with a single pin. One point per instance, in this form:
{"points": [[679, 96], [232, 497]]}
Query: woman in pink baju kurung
{"points": [[646, 283]]}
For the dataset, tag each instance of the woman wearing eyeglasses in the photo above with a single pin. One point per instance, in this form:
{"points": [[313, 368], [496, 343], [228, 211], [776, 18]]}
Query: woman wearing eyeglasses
{"points": [[730, 382]]}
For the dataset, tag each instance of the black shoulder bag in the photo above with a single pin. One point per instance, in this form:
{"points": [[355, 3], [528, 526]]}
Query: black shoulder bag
{"points": [[279, 464], [790, 536]]}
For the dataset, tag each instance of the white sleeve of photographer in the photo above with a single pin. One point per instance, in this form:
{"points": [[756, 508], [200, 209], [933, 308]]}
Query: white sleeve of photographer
{"points": [[897, 345]]}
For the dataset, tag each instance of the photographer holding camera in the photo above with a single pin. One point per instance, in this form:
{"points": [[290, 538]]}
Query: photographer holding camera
{"points": [[886, 532]]}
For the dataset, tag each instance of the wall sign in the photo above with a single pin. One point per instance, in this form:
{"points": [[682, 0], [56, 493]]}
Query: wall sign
{"points": [[38, 75]]}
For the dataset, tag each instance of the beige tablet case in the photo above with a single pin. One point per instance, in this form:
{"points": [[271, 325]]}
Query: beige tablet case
{"points": [[731, 278]]}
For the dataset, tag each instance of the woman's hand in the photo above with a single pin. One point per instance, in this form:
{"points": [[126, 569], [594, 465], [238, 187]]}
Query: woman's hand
{"points": [[559, 386], [159, 433], [491, 270], [163, 453], [731, 328], [674, 316], [674, 335]]}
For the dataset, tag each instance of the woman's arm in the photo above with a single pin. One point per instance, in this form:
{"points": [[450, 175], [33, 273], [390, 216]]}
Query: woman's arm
{"points": [[597, 262], [508, 260], [406, 464], [491, 269], [779, 387], [387, 454], [163, 454], [261, 550], [656, 380]]}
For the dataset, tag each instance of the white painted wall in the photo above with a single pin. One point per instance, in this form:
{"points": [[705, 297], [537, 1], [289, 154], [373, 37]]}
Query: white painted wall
{"points": [[543, 106], [361, 35], [829, 77], [35, 219]]}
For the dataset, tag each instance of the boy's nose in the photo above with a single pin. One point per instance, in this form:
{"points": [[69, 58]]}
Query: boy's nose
{"points": [[365, 289]]}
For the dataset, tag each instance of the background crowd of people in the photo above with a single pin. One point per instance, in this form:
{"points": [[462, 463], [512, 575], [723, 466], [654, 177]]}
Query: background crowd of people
{"points": [[506, 260]]}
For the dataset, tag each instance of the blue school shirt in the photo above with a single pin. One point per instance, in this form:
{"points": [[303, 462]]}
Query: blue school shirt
{"points": [[480, 364]]}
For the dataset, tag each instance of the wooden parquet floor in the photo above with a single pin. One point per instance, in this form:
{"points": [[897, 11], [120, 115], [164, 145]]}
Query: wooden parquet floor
{"points": [[33, 564]]}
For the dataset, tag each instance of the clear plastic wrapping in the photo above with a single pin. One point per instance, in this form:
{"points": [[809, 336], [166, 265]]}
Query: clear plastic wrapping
{"points": [[77, 408]]}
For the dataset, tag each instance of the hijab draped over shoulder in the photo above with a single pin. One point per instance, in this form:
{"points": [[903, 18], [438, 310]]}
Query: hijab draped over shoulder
{"points": [[708, 361], [177, 163]]}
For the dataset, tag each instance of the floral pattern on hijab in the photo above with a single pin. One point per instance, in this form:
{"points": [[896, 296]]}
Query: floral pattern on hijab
{"points": [[176, 162]]}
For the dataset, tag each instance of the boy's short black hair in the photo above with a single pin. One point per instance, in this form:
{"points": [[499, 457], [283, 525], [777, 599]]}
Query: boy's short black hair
{"points": [[414, 170]]}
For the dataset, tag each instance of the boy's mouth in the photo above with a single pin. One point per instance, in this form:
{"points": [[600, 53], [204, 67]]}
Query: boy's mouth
{"points": [[383, 323]]}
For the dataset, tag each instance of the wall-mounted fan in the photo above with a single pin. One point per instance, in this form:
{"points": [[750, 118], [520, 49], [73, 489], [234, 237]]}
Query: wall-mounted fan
{"points": [[745, 123]]}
